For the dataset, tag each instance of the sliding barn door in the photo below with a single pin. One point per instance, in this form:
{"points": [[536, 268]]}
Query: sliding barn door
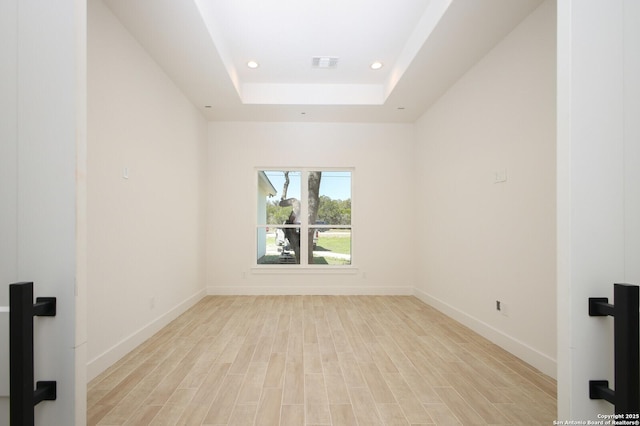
{"points": [[41, 142]]}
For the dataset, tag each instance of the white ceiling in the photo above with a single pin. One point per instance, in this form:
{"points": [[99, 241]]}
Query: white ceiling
{"points": [[425, 46]]}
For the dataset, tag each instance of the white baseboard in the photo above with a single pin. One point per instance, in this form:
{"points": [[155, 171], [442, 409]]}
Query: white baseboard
{"points": [[109, 357], [531, 356], [306, 291]]}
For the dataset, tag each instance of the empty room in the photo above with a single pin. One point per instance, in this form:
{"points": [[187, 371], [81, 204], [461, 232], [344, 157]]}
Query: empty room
{"points": [[322, 213], [450, 176]]}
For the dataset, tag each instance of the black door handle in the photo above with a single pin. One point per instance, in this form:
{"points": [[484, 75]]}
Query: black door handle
{"points": [[23, 398]]}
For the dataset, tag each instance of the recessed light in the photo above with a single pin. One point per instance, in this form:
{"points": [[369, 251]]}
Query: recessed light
{"points": [[253, 64], [207, 106], [376, 65]]}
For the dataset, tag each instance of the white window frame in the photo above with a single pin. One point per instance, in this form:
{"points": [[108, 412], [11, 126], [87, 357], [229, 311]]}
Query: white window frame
{"points": [[304, 226]]}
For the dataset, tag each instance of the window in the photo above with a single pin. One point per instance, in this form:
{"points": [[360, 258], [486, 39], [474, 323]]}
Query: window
{"points": [[304, 217]]}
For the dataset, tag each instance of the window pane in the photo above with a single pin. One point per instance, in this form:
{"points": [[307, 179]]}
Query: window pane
{"points": [[275, 247], [278, 204], [272, 209], [329, 199], [332, 247]]}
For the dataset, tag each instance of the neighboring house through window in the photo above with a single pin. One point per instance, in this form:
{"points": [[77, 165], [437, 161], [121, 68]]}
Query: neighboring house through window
{"points": [[304, 217]]}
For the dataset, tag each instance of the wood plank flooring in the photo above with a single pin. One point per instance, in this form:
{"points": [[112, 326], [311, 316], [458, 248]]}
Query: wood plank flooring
{"points": [[319, 360]]}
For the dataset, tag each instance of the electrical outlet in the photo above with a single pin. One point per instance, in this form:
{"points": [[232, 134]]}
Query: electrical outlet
{"points": [[152, 303]]}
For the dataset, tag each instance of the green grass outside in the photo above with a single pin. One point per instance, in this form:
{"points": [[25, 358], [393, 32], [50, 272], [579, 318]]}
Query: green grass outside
{"points": [[275, 260], [330, 261], [339, 242], [336, 244]]}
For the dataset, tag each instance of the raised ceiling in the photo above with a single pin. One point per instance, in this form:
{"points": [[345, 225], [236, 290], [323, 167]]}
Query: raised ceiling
{"points": [[424, 45]]}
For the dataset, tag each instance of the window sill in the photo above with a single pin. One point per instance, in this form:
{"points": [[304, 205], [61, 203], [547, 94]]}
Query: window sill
{"points": [[304, 270]]}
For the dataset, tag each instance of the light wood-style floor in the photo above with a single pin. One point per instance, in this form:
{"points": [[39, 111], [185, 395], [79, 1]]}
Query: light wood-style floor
{"points": [[319, 360]]}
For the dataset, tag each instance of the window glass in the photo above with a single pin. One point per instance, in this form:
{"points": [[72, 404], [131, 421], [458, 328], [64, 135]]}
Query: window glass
{"points": [[330, 217], [334, 199], [277, 246], [332, 246], [279, 205]]}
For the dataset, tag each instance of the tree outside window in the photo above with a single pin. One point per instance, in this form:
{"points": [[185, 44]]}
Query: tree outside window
{"points": [[304, 217]]}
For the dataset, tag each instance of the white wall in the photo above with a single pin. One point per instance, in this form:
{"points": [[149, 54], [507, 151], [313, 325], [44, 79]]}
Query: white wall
{"points": [[598, 187], [481, 241], [382, 203], [145, 236]]}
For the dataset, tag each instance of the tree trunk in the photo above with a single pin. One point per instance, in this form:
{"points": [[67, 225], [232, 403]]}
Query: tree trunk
{"points": [[314, 204], [292, 234]]}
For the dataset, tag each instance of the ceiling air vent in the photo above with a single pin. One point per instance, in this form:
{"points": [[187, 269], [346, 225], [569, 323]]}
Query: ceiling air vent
{"points": [[324, 62]]}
